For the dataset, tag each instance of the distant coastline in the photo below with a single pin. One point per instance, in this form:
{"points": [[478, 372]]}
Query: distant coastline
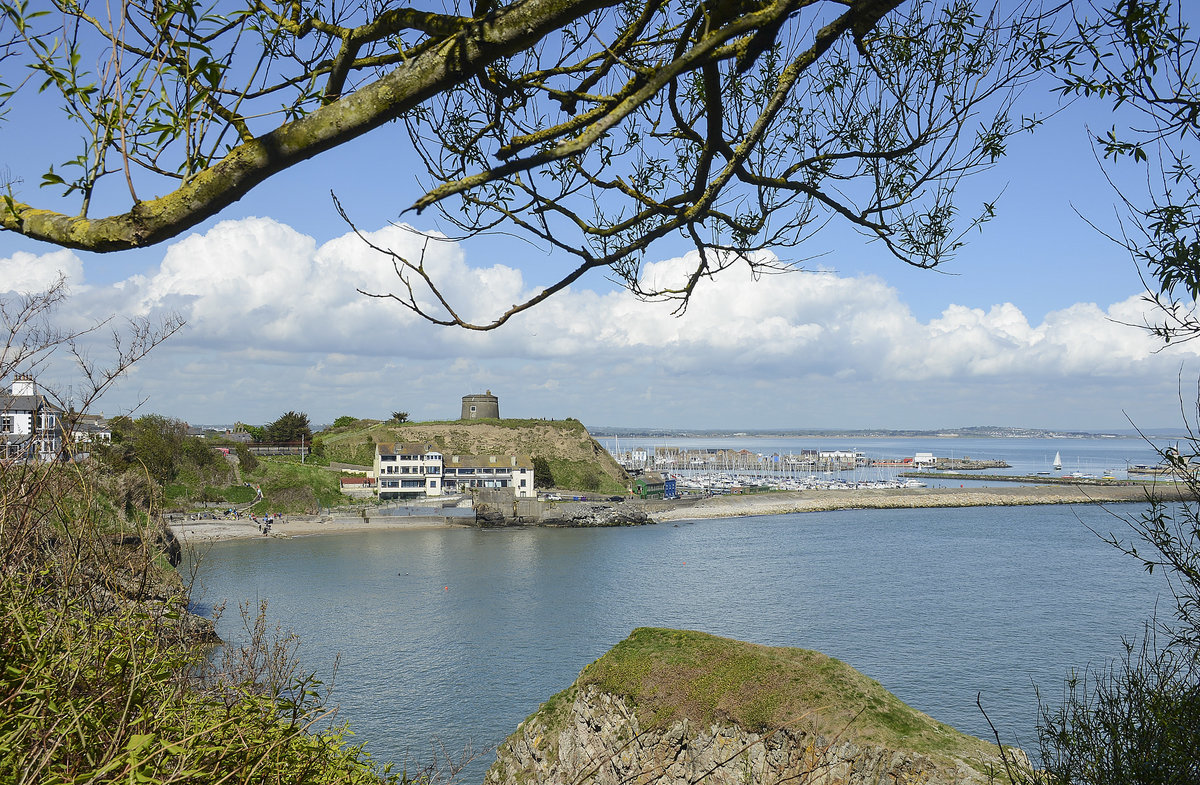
{"points": [[969, 432]]}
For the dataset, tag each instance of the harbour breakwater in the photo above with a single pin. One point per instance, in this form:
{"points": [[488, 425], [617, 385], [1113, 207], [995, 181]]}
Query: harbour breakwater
{"points": [[864, 499]]}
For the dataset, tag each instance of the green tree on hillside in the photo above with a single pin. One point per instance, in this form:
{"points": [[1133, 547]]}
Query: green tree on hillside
{"points": [[247, 460], [290, 427], [160, 444], [542, 476]]}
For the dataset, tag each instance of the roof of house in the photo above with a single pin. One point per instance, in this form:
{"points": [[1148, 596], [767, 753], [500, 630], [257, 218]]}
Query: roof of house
{"points": [[25, 403], [491, 461], [405, 448]]}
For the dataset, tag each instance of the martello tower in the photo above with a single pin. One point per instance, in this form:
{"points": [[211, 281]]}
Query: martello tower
{"points": [[475, 407]]}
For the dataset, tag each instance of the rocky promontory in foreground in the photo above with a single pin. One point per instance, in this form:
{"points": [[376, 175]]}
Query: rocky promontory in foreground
{"points": [[673, 706]]}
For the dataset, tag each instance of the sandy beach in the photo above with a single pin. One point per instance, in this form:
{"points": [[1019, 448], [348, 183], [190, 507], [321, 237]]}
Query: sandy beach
{"points": [[715, 507], [299, 526]]}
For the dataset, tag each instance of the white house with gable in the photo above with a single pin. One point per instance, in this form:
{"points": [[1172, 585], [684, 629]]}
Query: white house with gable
{"points": [[30, 425]]}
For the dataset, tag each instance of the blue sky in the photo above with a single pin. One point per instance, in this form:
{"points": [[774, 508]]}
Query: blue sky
{"points": [[1021, 329]]}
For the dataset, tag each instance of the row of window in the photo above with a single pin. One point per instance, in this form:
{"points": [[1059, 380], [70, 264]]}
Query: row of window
{"points": [[8, 422], [409, 470], [406, 483], [496, 471]]}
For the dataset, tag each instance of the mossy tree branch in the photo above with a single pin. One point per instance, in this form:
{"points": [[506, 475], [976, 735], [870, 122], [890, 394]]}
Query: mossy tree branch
{"points": [[597, 128]]}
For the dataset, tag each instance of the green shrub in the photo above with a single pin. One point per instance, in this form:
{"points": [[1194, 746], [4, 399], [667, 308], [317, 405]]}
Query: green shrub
{"points": [[102, 676], [247, 460], [93, 696]]}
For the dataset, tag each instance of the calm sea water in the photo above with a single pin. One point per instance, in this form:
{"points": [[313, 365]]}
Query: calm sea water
{"points": [[454, 636]]}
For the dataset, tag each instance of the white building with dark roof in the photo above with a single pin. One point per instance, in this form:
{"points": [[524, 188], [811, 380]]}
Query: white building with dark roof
{"points": [[30, 425]]}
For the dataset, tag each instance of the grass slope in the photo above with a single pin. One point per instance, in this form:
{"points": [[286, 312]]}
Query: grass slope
{"points": [[669, 675], [291, 487]]}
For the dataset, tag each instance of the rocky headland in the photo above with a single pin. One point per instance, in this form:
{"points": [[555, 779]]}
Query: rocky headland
{"points": [[675, 707]]}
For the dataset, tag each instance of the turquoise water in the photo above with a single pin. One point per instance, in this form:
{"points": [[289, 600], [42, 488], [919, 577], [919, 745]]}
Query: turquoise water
{"points": [[456, 635]]}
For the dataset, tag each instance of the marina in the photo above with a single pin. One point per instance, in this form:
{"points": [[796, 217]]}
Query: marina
{"points": [[745, 464]]}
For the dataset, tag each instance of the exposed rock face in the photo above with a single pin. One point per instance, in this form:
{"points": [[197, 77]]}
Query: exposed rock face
{"points": [[567, 514], [680, 707], [601, 741], [596, 514], [123, 573]]}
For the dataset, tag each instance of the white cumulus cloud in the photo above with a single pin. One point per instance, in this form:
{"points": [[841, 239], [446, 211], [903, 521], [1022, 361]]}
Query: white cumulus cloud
{"points": [[275, 321], [25, 273]]}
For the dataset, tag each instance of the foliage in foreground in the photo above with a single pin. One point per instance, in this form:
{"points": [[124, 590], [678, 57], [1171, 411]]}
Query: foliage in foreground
{"points": [[101, 697], [102, 675]]}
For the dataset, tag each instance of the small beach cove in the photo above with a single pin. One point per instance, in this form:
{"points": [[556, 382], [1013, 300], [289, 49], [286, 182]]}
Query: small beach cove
{"points": [[730, 506]]}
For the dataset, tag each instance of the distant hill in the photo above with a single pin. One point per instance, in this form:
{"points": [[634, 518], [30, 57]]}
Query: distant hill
{"points": [[575, 460]]}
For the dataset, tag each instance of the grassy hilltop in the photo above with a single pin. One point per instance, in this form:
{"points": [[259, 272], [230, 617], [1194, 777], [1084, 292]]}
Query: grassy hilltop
{"points": [[573, 458], [734, 712]]}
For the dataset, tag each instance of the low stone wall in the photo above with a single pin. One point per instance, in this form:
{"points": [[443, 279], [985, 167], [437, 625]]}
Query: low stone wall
{"points": [[411, 520]]}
